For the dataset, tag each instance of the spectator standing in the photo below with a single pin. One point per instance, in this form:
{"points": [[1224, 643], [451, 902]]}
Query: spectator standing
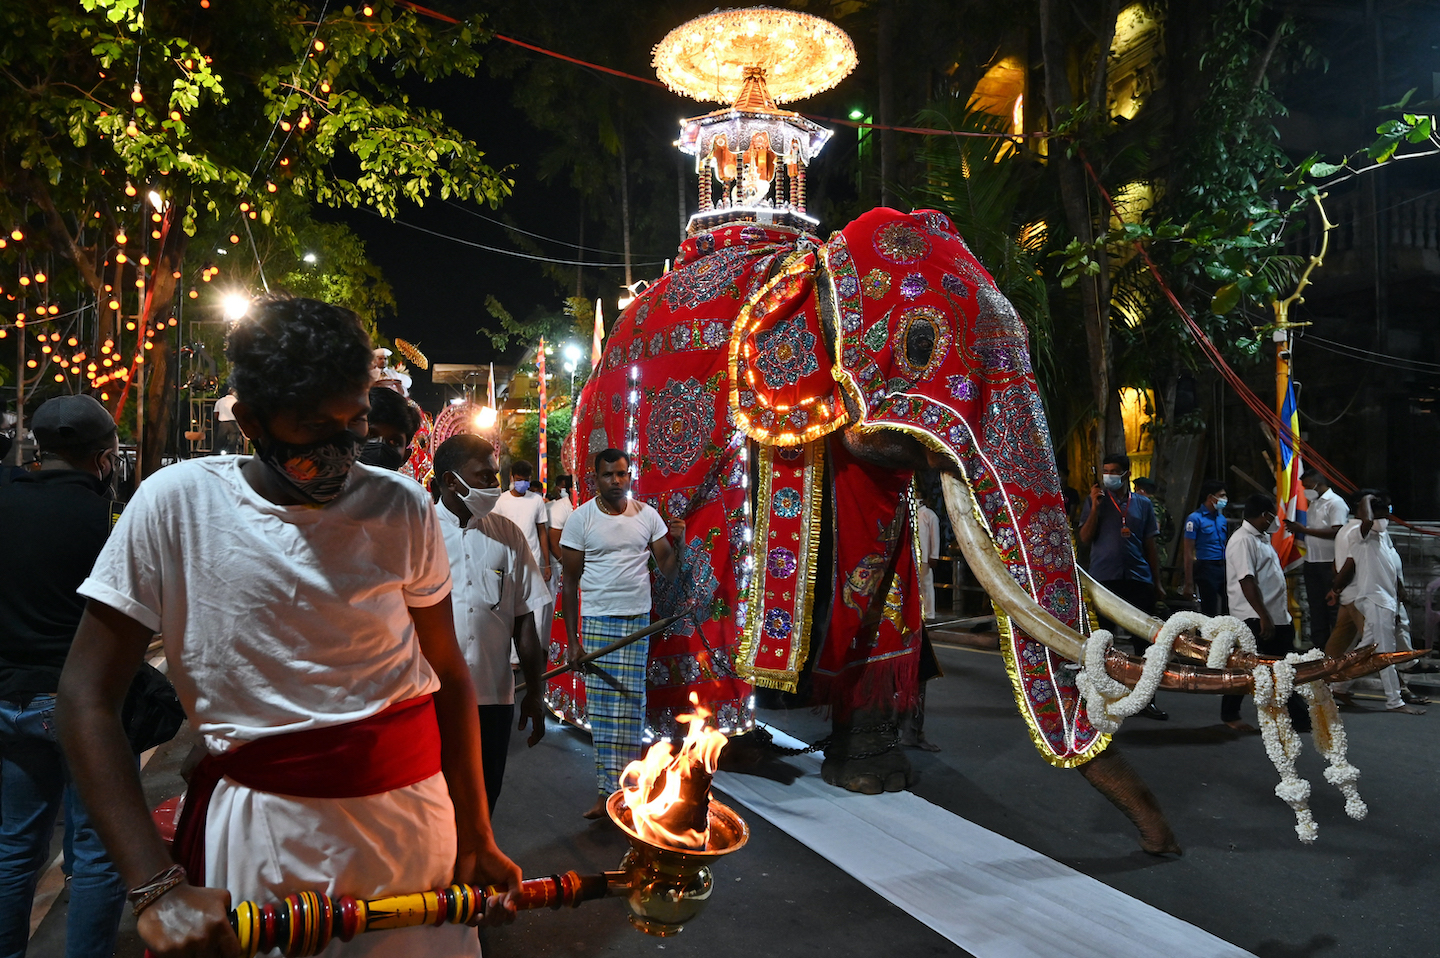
{"points": [[527, 510], [607, 545], [1120, 529], [61, 514], [928, 526], [1370, 577], [394, 421], [1206, 531], [497, 587], [304, 601], [228, 439], [1325, 514], [1256, 587]]}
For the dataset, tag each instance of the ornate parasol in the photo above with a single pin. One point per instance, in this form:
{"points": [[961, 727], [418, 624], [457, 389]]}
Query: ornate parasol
{"points": [[753, 59]]}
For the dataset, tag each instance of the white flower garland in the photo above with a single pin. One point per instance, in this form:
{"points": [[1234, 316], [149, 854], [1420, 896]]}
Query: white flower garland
{"points": [[1108, 702], [1330, 741]]}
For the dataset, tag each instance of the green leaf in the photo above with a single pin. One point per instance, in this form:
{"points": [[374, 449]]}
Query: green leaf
{"points": [[1225, 299]]}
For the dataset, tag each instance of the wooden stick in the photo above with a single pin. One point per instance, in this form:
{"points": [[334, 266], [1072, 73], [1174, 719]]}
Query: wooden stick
{"points": [[588, 657]]}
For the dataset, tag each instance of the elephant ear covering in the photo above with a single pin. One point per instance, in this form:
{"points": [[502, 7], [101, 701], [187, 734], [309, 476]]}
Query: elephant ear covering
{"points": [[927, 345], [662, 391]]}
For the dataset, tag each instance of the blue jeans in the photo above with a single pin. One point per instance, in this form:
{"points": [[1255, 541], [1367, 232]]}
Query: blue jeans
{"points": [[34, 780]]}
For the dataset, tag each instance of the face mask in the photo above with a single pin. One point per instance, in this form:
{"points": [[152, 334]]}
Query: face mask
{"points": [[1311, 495], [317, 470], [1381, 525], [378, 452], [1273, 527], [1113, 483], [1220, 504], [522, 486], [480, 502]]}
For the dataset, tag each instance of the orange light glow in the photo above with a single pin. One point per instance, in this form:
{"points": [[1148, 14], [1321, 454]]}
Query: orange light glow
{"points": [[663, 785]]}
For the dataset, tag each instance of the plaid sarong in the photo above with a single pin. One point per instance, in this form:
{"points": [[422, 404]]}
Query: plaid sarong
{"points": [[617, 722]]}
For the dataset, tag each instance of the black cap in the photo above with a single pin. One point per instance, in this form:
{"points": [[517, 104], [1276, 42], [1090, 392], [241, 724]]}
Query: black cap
{"points": [[1145, 482], [71, 422]]}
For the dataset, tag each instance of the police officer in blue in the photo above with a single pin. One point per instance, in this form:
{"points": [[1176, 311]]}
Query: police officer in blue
{"points": [[1206, 530]]}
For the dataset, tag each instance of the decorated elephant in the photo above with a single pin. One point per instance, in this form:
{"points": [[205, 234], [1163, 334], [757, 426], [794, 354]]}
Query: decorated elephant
{"points": [[776, 393]]}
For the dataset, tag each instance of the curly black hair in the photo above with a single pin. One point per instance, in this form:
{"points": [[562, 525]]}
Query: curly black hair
{"points": [[389, 408], [291, 353]]}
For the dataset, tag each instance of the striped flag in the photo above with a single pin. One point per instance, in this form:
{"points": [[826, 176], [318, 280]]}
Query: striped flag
{"points": [[1290, 502], [540, 375], [490, 396]]}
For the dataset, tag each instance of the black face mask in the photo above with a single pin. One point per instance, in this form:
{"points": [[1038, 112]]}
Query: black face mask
{"points": [[317, 470], [378, 452]]}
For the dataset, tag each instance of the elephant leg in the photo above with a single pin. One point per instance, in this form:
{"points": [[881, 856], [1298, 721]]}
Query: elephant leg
{"points": [[864, 754], [1114, 778]]}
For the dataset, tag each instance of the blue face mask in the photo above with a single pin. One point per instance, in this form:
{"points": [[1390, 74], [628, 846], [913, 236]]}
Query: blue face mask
{"points": [[522, 486], [1220, 504]]}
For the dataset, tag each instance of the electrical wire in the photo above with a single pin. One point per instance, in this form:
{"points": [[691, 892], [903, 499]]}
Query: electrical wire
{"points": [[1369, 352], [1377, 362], [511, 252], [548, 239]]}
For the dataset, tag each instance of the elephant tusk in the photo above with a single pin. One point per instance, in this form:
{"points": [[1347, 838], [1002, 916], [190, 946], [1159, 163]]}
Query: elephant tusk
{"points": [[1360, 662], [1127, 669], [1117, 610], [1004, 591]]}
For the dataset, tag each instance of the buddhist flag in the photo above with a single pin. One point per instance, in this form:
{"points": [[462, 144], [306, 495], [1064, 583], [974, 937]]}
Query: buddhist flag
{"points": [[540, 376], [490, 395], [595, 345], [1290, 502]]}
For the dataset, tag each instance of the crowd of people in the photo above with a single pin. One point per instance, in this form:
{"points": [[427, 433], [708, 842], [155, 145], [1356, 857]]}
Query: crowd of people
{"points": [[344, 642], [1353, 582]]}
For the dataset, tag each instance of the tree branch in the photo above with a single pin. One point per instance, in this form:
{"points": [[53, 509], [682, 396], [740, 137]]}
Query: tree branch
{"points": [[1270, 47], [55, 223]]}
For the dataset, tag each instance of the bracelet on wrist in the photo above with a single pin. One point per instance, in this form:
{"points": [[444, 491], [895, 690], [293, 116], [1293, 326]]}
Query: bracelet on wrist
{"points": [[143, 896]]}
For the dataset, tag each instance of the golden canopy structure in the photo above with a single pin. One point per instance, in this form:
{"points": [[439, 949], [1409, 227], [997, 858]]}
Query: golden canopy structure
{"points": [[753, 59]]}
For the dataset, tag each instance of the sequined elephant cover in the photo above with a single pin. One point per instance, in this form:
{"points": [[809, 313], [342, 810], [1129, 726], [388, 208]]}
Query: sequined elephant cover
{"points": [[728, 358]]}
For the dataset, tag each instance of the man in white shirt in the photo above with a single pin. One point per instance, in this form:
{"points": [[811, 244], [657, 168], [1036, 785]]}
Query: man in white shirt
{"points": [[928, 530], [1255, 586], [607, 545], [1369, 577], [527, 510], [1325, 513], [227, 434], [304, 601], [497, 587]]}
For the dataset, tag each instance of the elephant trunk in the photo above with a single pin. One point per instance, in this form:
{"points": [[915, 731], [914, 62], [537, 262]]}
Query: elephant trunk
{"points": [[1114, 778]]}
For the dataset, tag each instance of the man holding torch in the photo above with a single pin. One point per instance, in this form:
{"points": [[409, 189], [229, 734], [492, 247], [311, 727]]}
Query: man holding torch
{"points": [[304, 601]]}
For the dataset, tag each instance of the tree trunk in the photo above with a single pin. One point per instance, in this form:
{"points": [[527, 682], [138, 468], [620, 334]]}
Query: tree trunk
{"points": [[1074, 197], [885, 68], [160, 362]]}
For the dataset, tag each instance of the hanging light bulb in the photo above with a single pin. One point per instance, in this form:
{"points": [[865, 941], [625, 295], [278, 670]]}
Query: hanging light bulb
{"points": [[121, 258], [39, 277], [72, 341], [17, 234], [194, 293], [31, 363], [144, 261], [319, 46], [135, 95], [24, 281], [130, 327], [131, 129], [113, 304], [121, 238], [154, 234], [234, 237], [271, 187], [130, 188], [54, 310], [175, 115], [369, 11], [244, 207]]}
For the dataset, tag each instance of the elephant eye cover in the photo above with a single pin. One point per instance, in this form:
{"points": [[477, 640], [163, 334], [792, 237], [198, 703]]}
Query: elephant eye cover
{"points": [[921, 331], [781, 386]]}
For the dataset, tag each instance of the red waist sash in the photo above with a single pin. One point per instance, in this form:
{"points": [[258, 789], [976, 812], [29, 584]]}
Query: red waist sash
{"points": [[391, 749]]}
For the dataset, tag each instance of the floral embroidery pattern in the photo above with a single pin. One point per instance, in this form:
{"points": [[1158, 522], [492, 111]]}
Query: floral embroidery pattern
{"points": [[680, 421], [786, 353]]}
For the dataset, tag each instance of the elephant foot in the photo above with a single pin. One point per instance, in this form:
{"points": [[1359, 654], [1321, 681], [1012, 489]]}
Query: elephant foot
{"points": [[1114, 778], [864, 755]]}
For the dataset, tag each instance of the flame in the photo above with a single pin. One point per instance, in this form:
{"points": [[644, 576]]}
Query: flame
{"points": [[667, 784]]}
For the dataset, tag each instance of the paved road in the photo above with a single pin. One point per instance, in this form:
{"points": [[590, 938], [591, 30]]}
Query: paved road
{"points": [[1364, 889]]}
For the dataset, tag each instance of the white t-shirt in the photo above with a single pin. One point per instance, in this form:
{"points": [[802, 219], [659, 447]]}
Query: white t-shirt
{"points": [[496, 581], [616, 580], [527, 512], [1250, 553], [225, 408], [1377, 565], [277, 618], [1325, 512], [559, 511], [283, 618], [929, 530]]}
